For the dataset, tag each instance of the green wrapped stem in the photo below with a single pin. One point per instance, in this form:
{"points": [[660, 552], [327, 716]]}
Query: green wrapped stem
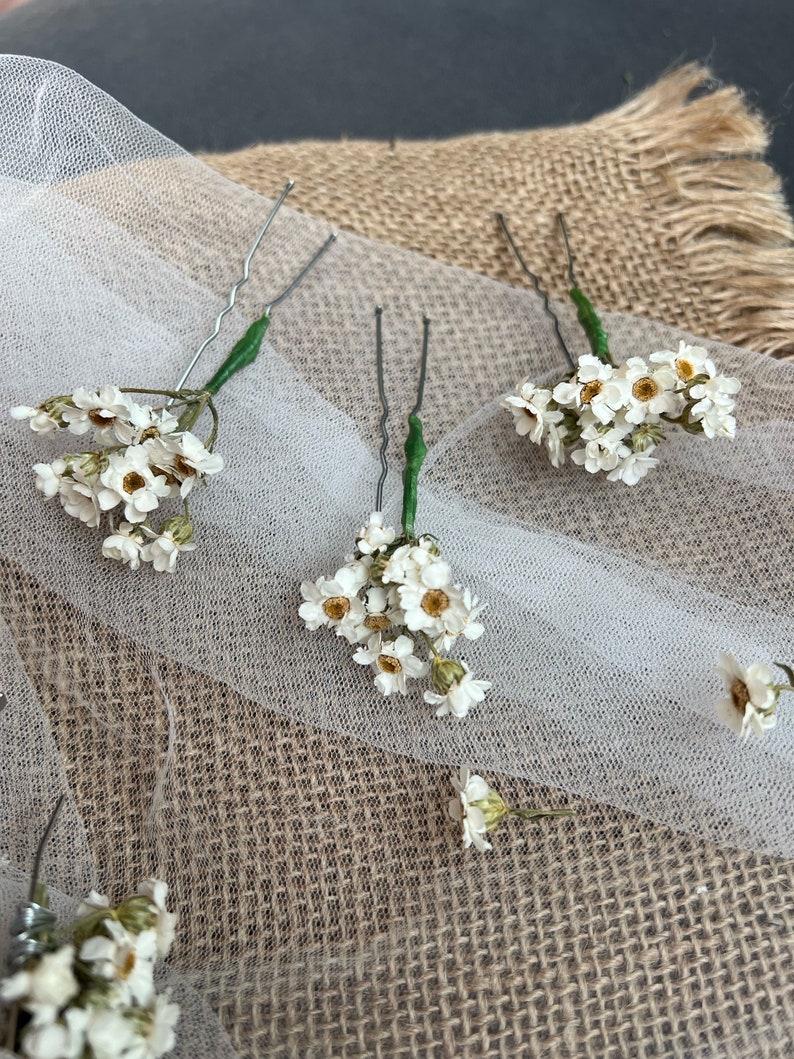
{"points": [[415, 452], [593, 328], [244, 353]]}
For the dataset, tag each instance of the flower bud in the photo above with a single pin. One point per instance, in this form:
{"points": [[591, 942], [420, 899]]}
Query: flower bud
{"points": [[644, 434], [180, 528], [493, 809], [444, 672], [137, 914]]}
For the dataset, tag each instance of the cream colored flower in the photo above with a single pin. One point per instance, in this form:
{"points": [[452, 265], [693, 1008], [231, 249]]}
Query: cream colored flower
{"points": [[751, 697], [165, 927], [393, 662], [461, 695], [46, 987], [375, 536], [471, 788], [126, 960]]}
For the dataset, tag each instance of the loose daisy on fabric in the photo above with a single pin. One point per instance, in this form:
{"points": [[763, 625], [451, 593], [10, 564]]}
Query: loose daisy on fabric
{"points": [[145, 453], [396, 599], [87, 990], [750, 702], [609, 418], [478, 809]]}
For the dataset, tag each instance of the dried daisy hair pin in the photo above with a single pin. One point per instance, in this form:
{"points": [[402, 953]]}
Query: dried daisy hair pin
{"points": [[87, 989], [395, 598], [611, 418], [144, 454]]}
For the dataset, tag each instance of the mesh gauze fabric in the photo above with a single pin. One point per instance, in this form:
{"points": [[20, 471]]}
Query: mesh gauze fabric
{"points": [[294, 796]]}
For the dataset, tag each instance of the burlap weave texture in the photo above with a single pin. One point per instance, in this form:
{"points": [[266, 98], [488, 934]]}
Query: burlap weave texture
{"points": [[675, 215]]}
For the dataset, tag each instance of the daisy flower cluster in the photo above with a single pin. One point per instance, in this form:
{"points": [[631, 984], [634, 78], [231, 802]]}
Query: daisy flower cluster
{"points": [[751, 695], [395, 600], [479, 809], [610, 419], [94, 997], [141, 456]]}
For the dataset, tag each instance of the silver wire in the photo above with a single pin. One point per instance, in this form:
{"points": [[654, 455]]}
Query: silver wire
{"points": [[568, 253], [420, 390], [233, 292], [385, 409], [302, 274], [31, 917], [500, 217], [40, 851]]}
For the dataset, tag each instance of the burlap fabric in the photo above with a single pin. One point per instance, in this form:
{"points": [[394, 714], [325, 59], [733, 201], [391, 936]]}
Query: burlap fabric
{"points": [[676, 217], [604, 935]]}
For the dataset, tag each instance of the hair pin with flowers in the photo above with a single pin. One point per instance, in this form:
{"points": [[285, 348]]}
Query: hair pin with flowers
{"points": [[395, 598], [751, 695], [143, 454], [611, 418], [86, 990], [479, 809]]}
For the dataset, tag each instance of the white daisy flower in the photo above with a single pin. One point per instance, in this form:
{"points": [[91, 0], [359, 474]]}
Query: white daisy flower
{"points": [[596, 386], [432, 604], [165, 927], [57, 1040], [112, 1036], [602, 452], [651, 390], [130, 480], [381, 611], [633, 467], [531, 412], [407, 562], [375, 536], [751, 697], [393, 661], [99, 408], [688, 362], [330, 600], [125, 545], [144, 424], [714, 419], [79, 497], [125, 959], [470, 629], [49, 476], [39, 419], [164, 548], [184, 457], [555, 444], [45, 987], [461, 696], [470, 788], [160, 1037]]}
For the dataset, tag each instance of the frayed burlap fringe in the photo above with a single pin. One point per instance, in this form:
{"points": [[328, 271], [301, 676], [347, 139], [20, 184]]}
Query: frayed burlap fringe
{"points": [[674, 216]]}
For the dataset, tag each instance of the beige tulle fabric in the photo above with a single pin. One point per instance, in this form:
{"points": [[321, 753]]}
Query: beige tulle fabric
{"points": [[327, 906]]}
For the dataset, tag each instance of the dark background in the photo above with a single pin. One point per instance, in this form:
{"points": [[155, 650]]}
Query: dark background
{"points": [[222, 74]]}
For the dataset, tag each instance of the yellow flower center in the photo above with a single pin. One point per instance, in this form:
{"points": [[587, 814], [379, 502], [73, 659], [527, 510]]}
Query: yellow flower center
{"points": [[133, 481], [150, 432], [740, 695], [591, 390], [183, 468], [96, 417], [645, 389], [390, 664], [377, 622], [685, 369], [435, 602], [126, 968], [336, 607]]}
